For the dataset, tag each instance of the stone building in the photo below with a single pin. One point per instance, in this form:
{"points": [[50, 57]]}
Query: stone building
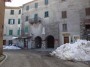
{"points": [[61, 20], [39, 17], [51, 23], [12, 24]]}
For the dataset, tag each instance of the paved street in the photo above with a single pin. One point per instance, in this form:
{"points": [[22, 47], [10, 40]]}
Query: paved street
{"points": [[28, 58]]}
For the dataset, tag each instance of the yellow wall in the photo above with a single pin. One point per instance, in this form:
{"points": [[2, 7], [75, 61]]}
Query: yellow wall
{"points": [[2, 6]]}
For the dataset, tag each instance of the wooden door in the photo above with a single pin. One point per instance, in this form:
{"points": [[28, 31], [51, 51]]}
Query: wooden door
{"points": [[66, 40], [4, 42]]}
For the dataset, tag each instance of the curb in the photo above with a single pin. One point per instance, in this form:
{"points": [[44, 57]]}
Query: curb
{"points": [[3, 60]]}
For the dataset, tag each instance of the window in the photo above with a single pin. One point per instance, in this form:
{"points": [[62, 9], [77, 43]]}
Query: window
{"points": [[46, 14], [87, 11], [64, 27], [18, 21], [64, 14], [12, 12], [10, 42], [26, 29], [18, 32], [46, 2], [26, 18], [36, 5], [10, 32], [11, 21], [35, 16], [63, 0], [27, 7], [19, 11]]}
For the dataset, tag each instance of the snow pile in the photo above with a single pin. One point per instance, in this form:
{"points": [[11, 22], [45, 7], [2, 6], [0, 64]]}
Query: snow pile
{"points": [[11, 47], [79, 51]]}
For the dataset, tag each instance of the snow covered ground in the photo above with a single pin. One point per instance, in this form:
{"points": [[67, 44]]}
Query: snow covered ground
{"points": [[11, 47], [79, 51]]}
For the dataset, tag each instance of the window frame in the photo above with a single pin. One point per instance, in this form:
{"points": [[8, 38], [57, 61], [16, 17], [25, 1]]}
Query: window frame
{"points": [[46, 14]]}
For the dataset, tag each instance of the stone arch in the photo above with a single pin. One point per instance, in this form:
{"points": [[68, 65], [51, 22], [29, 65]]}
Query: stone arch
{"points": [[50, 41], [38, 42]]}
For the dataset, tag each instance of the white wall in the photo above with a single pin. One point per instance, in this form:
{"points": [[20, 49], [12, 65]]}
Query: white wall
{"points": [[13, 27]]}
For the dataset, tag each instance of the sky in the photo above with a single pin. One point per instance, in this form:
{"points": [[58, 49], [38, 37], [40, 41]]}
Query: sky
{"points": [[16, 3]]}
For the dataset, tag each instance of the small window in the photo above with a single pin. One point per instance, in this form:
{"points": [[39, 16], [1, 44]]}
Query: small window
{"points": [[64, 14], [63, 0], [64, 27], [87, 11], [19, 11], [12, 12], [10, 42], [26, 18], [11, 21], [35, 16], [46, 14], [36, 5], [27, 7], [46, 2]]}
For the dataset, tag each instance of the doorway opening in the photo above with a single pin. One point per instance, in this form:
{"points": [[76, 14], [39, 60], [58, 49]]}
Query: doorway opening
{"points": [[50, 41], [38, 42]]}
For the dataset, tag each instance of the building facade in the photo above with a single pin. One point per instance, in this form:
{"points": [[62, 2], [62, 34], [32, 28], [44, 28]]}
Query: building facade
{"points": [[12, 24], [51, 23]]}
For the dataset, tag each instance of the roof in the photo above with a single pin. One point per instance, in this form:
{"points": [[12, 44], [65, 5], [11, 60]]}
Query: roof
{"points": [[30, 2]]}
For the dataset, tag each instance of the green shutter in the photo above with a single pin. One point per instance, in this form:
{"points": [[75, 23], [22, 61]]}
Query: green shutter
{"points": [[10, 32], [9, 21], [18, 21], [26, 29], [18, 32]]}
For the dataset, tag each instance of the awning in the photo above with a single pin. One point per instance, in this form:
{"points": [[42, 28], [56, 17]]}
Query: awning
{"points": [[14, 37]]}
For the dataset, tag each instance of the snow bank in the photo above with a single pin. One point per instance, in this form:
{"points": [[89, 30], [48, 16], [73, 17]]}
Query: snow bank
{"points": [[79, 51], [10, 47]]}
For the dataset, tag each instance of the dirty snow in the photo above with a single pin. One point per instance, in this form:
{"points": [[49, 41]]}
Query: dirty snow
{"points": [[79, 51], [11, 47]]}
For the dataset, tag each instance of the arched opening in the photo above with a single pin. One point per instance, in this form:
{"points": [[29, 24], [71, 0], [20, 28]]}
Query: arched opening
{"points": [[38, 42], [50, 41]]}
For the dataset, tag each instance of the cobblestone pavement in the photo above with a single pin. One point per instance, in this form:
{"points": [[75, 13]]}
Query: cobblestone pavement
{"points": [[28, 58]]}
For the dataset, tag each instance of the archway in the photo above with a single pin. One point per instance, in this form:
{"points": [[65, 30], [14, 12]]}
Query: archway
{"points": [[50, 41], [38, 42]]}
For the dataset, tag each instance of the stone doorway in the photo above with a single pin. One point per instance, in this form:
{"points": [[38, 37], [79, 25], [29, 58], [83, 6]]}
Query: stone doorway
{"points": [[38, 42], [50, 41]]}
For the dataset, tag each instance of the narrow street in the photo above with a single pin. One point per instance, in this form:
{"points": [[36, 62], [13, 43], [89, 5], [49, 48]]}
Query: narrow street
{"points": [[28, 58]]}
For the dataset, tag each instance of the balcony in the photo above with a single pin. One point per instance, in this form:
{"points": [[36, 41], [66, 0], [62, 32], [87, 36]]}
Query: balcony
{"points": [[35, 20]]}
